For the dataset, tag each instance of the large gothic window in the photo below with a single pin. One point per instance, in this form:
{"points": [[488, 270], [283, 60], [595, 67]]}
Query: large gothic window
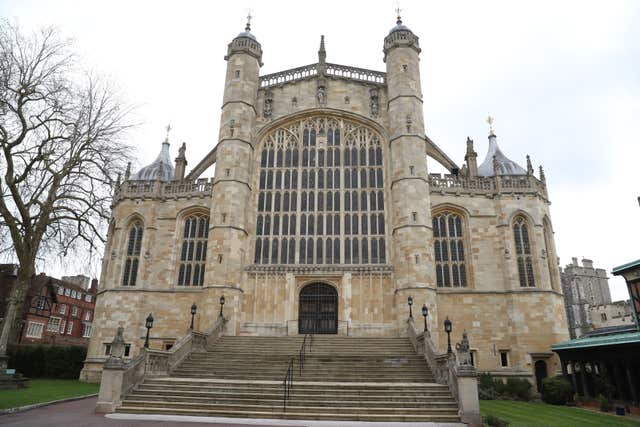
{"points": [[448, 240], [134, 244], [332, 188], [193, 250], [523, 251]]}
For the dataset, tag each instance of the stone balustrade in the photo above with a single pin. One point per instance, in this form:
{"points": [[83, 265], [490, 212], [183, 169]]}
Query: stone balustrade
{"points": [[329, 70], [162, 189], [461, 379], [452, 184], [119, 376]]}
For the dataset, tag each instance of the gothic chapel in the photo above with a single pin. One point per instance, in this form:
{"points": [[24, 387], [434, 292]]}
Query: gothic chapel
{"points": [[322, 217]]}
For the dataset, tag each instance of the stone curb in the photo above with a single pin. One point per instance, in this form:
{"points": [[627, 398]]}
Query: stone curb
{"points": [[41, 404]]}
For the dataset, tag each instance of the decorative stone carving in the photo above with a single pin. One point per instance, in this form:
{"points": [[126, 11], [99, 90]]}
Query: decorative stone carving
{"points": [[294, 102], [374, 102], [464, 353], [117, 345], [347, 100], [409, 122], [232, 126], [322, 95], [268, 105]]}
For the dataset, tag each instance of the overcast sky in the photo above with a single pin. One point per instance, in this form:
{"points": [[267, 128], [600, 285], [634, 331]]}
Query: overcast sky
{"points": [[561, 79]]}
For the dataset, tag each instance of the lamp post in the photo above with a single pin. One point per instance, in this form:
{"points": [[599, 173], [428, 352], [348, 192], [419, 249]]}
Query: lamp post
{"points": [[447, 329], [425, 313], [410, 302], [221, 305], [148, 325], [194, 307]]}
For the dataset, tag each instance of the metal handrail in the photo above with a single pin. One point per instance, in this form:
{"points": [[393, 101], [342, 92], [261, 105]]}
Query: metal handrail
{"points": [[287, 384]]}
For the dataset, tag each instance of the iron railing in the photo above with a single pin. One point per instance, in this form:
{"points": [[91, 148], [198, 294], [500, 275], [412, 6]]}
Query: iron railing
{"points": [[287, 383]]}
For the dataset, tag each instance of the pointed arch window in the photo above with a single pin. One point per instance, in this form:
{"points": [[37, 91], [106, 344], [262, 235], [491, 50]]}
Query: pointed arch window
{"points": [[134, 245], [448, 238], [193, 251], [523, 252]]}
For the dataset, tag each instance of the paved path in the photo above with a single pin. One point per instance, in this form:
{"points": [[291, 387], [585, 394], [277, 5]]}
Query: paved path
{"points": [[79, 413]]}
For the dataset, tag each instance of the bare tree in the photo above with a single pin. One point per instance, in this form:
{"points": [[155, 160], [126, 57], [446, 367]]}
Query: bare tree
{"points": [[61, 141]]}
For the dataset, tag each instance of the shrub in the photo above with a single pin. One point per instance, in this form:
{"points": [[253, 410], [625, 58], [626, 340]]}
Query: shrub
{"points": [[493, 421], [605, 404], [518, 388], [44, 361], [556, 390]]}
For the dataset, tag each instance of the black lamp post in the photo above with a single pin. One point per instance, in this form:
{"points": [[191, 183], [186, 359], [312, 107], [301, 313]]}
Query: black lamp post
{"points": [[410, 302], [447, 329], [194, 307], [221, 305], [149, 325], [425, 313]]}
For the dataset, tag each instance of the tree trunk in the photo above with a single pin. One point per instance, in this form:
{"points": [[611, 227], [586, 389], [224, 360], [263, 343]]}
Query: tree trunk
{"points": [[15, 307]]}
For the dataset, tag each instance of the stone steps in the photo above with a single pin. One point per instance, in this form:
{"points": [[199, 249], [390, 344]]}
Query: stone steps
{"points": [[357, 379]]}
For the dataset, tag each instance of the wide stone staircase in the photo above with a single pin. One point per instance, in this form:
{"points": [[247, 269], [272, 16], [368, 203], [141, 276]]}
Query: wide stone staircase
{"points": [[343, 378]]}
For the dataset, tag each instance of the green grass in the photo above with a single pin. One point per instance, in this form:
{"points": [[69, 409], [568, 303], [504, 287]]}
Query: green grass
{"points": [[529, 414], [45, 391]]}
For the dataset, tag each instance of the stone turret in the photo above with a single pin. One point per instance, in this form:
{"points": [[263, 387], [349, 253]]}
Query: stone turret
{"points": [[472, 159], [231, 188], [181, 163], [410, 201]]}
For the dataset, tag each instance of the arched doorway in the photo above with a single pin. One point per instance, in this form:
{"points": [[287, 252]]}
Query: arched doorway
{"points": [[541, 373], [318, 309]]}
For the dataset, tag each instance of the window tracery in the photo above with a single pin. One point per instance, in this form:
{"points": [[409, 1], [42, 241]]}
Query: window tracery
{"points": [[339, 193], [193, 251], [448, 238], [523, 252], [134, 245]]}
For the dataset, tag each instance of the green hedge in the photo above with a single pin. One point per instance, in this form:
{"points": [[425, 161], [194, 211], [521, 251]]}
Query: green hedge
{"points": [[45, 361], [490, 388], [556, 390]]}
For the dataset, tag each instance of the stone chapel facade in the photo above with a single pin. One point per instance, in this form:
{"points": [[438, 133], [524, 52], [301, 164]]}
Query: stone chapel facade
{"points": [[322, 217]]}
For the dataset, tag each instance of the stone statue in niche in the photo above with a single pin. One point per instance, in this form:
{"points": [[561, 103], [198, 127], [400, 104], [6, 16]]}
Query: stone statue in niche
{"points": [[294, 102], [232, 126], [322, 95], [464, 353], [268, 105], [373, 102]]}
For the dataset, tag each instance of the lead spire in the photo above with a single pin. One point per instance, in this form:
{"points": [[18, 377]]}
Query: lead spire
{"points": [[322, 53]]}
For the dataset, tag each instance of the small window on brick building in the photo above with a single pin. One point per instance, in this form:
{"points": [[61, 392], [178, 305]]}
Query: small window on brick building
{"points": [[74, 311], [87, 315], [504, 358], [42, 303], [63, 309], [70, 327], [60, 290], [67, 292], [53, 325], [86, 330], [34, 330], [63, 324], [87, 298]]}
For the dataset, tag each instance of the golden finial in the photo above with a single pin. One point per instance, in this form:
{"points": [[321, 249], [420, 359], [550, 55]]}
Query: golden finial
{"points": [[168, 128], [490, 121]]}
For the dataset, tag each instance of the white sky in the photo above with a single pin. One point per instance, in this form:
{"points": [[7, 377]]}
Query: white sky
{"points": [[562, 80]]}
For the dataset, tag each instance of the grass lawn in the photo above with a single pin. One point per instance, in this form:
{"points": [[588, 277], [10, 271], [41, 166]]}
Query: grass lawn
{"points": [[45, 391], [529, 414]]}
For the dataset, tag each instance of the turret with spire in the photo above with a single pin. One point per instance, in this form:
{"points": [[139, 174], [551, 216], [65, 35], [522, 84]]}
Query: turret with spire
{"points": [[496, 162], [161, 168]]}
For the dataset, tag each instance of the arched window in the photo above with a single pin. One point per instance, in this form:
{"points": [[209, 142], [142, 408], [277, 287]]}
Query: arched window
{"points": [[193, 250], [327, 153], [449, 250], [134, 245], [523, 251], [552, 263]]}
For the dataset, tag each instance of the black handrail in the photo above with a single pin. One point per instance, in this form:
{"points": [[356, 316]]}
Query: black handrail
{"points": [[287, 384]]}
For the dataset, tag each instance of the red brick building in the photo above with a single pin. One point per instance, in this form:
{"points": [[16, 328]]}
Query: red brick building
{"points": [[57, 312]]}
